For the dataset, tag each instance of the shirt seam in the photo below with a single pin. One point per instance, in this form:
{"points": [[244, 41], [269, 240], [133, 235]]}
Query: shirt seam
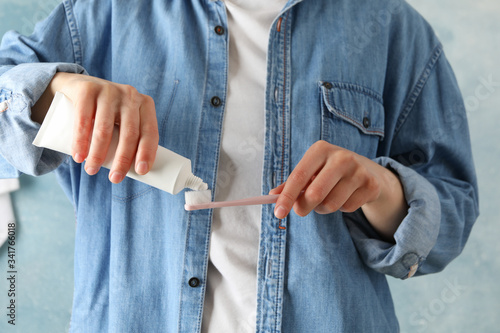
{"points": [[415, 93], [74, 32], [283, 108]]}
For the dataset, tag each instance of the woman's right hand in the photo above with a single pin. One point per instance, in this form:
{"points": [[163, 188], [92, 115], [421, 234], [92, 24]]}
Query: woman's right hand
{"points": [[99, 105]]}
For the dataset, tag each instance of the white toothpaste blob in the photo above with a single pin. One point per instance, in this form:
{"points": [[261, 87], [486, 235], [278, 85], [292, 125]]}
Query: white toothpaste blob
{"points": [[170, 171], [198, 197]]}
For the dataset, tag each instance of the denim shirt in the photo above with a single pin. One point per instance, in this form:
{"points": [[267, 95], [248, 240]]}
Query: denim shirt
{"points": [[366, 75]]}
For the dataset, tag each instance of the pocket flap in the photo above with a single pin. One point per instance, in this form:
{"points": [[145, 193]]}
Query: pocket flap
{"points": [[357, 105]]}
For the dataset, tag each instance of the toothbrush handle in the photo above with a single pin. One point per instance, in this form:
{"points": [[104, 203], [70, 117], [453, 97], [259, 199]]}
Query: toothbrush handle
{"points": [[260, 200]]}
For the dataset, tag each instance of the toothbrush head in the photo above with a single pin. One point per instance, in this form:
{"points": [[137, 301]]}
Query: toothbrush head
{"points": [[197, 197]]}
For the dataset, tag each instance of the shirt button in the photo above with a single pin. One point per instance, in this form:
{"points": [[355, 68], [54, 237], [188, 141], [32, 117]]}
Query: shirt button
{"points": [[194, 282], [216, 101], [328, 85], [366, 122], [219, 30]]}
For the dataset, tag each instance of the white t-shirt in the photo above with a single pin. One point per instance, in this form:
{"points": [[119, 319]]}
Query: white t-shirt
{"points": [[231, 296]]}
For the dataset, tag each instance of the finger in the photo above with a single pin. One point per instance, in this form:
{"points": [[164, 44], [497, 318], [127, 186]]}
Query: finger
{"points": [[355, 201], [279, 188], [337, 197], [364, 194], [82, 129], [149, 137], [101, 135], [319, 188], [127, 142], [299, 178]]}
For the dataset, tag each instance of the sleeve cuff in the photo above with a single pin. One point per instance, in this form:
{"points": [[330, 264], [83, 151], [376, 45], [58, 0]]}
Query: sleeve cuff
{"points": [[20, 88], [416, 234]]}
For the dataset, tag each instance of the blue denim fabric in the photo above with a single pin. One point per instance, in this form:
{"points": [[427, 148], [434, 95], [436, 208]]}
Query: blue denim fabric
{"points": [[366, 75]]}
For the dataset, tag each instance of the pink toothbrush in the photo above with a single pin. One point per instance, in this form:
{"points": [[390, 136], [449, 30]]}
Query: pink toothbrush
{"points": [[202, 200]]}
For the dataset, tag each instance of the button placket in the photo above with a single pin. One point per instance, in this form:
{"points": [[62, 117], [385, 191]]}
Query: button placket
{"points": [[198, 224]]}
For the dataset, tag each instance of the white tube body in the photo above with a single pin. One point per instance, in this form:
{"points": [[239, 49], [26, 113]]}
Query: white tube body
{"points": [[170, 171]]}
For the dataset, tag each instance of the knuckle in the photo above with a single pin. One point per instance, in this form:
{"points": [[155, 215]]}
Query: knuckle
{"points": [[123, 162], [83, 126], [131, 132], [150, 129], [358, 177], [321, 209], [322, 144], [96, 159], [344, 156], [301, 212], [87, 88], [300, 209], [108, 90], [85, 94], [350, 207], [372, 185], [315, 194], [330, 171], [131, 90], [102, 131], [148, 101], [85, 121], [131, 94], [299, 176], [287, 198], [330, 206]]}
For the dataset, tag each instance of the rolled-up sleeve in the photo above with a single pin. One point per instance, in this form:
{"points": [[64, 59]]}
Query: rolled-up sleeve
{"points": [[429, 149], [415, 236], [21, 87], [27, 65]]}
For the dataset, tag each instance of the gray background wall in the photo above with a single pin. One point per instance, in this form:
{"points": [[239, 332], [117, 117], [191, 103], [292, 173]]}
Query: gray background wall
{"points": [[465, 297]]}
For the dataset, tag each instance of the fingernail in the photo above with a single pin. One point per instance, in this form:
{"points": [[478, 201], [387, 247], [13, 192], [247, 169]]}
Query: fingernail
{"points": [[280, 212], [141, 168], [116, 177], [78, 158], [91, 171]]}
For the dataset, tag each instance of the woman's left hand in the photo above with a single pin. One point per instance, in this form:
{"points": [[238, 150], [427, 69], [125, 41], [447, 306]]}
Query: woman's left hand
{"points": [[334, 178]]}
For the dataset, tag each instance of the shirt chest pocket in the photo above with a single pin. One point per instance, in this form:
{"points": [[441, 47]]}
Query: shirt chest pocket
{"points": [[352, 117]]}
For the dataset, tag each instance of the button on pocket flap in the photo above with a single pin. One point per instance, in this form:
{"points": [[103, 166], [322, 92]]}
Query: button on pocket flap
{"points": [[356, 105]]}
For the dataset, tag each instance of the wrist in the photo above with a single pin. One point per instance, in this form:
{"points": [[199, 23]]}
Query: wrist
{"points": [[59, 81], [387, 212], [40, 108]]}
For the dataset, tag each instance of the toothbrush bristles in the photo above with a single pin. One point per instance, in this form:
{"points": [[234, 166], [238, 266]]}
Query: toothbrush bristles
{"points": [[198, 197]]}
